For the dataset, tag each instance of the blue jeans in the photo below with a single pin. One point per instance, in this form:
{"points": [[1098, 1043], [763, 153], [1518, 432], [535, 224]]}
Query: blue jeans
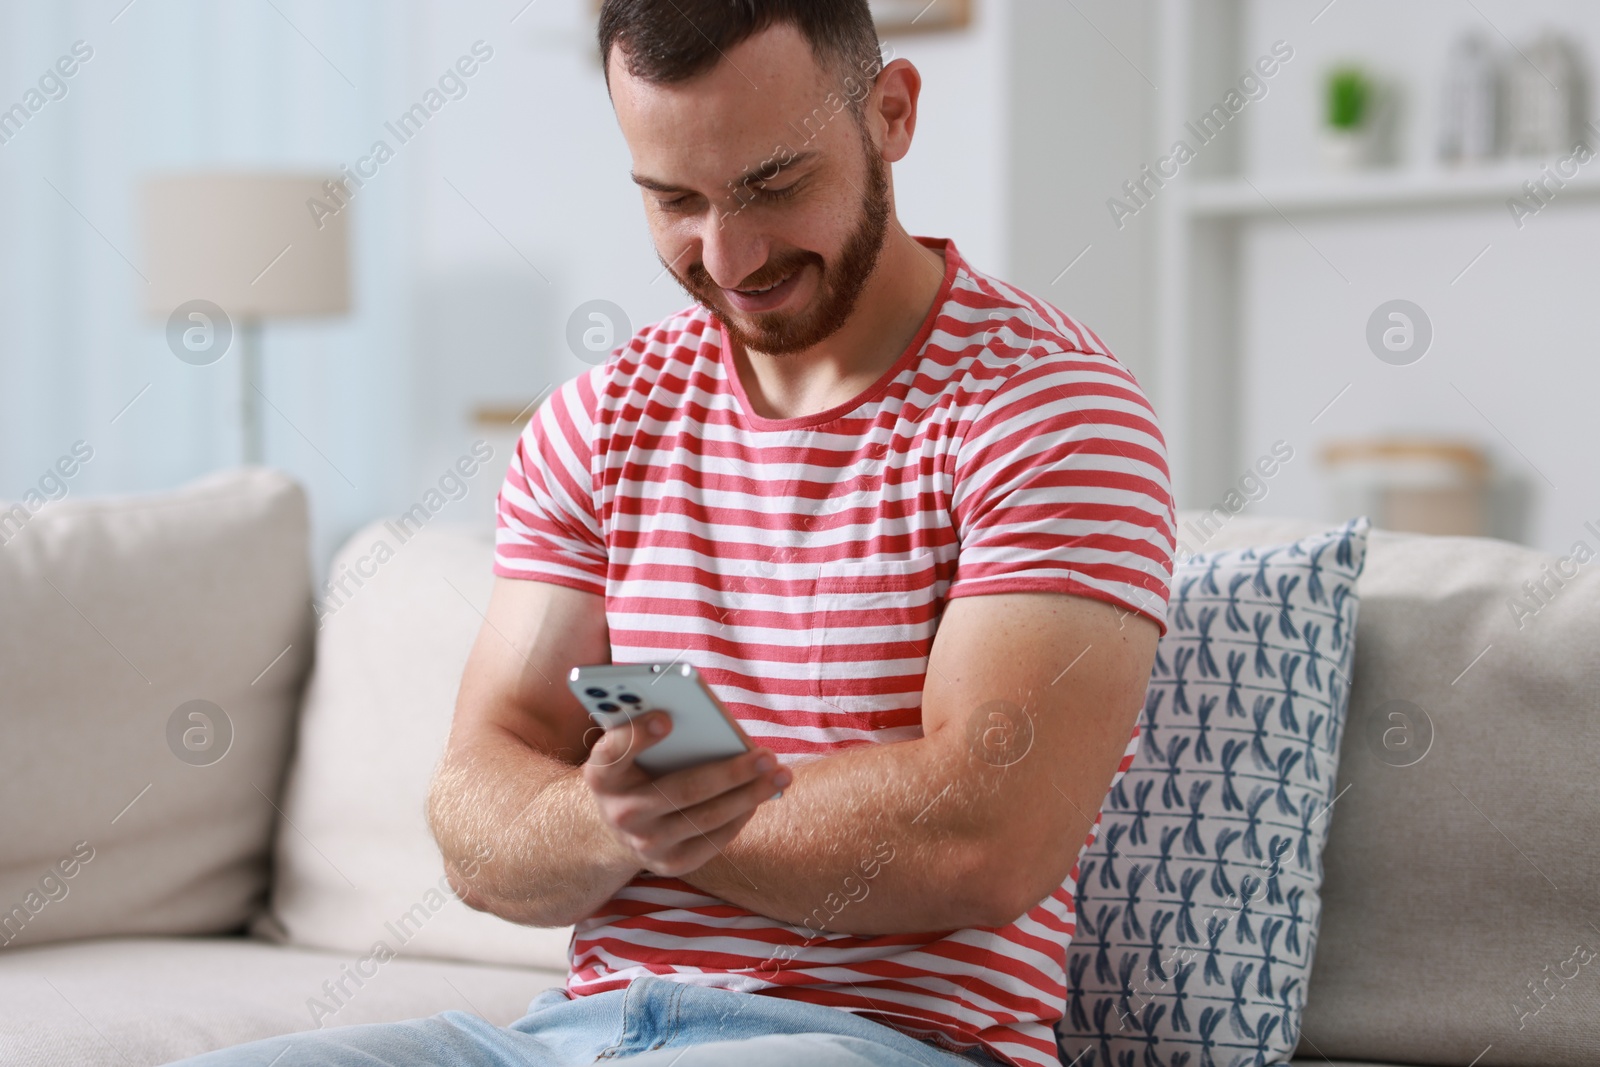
{"points": [[654, 1022]]}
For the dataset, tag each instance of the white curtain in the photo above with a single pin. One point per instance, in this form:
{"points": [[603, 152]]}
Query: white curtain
{"points": [[191, 84]]}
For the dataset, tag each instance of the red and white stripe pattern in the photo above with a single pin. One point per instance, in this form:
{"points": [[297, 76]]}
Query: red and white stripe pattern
{"points": [[801, 564]]}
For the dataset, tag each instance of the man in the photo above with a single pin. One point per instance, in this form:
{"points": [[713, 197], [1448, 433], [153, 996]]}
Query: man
{"points": [[912, 525]]}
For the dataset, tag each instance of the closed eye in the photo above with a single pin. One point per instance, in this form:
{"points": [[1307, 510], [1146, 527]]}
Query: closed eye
{"points": [[782, 194], [681, 204]]}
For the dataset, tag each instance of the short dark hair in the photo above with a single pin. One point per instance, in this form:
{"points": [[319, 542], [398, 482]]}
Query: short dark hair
{"points": [[666, 41]]}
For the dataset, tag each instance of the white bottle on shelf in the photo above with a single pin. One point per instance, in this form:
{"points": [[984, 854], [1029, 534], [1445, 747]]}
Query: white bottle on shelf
{"points": [[1469, 107], [1543, 97]]}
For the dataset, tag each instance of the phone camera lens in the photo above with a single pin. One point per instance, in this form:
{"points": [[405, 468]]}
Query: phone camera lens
{"points": [[628, 698], [595, 691], [606, 705]]}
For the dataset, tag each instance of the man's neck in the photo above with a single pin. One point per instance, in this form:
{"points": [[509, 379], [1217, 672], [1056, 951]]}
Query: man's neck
{"points": [[887, 316]]}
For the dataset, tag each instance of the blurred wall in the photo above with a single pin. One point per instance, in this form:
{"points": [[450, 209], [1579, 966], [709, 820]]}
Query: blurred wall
{"points": [[1081, 103], [1512, 364]]}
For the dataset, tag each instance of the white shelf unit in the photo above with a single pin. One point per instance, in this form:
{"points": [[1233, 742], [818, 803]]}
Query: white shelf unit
{"points": [[1238, 198], [1201, 216]]}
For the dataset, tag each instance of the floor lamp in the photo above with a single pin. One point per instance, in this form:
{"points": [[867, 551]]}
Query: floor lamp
{"points": [[227, 251]]}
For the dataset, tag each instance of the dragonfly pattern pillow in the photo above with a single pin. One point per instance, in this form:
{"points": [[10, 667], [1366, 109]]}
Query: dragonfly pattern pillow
{"points": [[1198, 902]]}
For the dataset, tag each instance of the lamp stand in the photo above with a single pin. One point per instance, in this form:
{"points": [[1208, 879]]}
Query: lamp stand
{"points": [[249, 398]]}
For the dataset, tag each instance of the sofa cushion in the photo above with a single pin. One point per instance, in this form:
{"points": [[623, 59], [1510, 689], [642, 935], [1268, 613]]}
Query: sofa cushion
{"points": [[1462, 868], [141, 1002], [356, 862], [126, 1002], [1198, 900], [154, 652]]}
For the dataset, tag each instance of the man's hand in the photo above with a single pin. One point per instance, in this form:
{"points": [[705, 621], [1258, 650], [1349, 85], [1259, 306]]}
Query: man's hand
{"points": [[676, 823], [536, 824]]}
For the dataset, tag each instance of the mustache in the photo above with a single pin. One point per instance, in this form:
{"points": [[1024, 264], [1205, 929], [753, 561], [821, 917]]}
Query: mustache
{"points": [[774, 270]]}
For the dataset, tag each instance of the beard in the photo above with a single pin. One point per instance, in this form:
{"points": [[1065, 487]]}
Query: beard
{"points": [[782, 332]]}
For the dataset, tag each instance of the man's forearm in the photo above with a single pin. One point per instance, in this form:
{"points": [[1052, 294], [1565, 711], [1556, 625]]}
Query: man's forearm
{"points": [[521, 835], [879, 839]]}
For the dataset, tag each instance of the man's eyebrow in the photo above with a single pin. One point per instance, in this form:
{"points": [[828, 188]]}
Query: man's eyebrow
{"points": [[750, 177]]}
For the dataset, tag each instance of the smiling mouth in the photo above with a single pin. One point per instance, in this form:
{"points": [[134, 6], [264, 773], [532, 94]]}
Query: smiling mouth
{"points": [[765, 289], [760, 300]]}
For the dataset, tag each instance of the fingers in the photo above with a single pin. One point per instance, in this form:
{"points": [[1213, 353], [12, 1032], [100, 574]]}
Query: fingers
{"points": [[696, 851], [688, 788], [675, 823], [722, 809], [665, 835]]}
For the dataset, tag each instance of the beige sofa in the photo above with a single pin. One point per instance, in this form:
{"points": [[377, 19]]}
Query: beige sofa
{"points": [[210, 842]]}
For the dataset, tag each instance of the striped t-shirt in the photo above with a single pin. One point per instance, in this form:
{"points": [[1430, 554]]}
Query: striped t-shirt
{"points": [[801, 565]]}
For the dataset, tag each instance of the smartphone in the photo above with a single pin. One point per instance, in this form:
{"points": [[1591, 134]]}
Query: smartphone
{"points": [[702, 730]]}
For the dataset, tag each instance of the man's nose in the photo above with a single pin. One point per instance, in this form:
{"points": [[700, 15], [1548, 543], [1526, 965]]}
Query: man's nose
{"points": [[732, 249]]}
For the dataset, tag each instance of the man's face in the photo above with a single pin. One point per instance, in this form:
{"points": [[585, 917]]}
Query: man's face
{"points": [[765, 196]]}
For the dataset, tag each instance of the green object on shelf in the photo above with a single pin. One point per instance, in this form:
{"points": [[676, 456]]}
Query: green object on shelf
{"points": [[1349, 96]]}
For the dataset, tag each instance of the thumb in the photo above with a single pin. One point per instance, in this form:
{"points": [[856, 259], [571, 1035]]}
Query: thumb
{"points": [[611, 765]]}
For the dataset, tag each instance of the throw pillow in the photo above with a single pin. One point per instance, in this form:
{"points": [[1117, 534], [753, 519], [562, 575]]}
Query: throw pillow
{"points": [[356, 862], [1198, 901], [154, 649]]}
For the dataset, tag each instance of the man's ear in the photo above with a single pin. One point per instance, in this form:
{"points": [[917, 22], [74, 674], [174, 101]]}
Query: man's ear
{"points": [[891, 109]]}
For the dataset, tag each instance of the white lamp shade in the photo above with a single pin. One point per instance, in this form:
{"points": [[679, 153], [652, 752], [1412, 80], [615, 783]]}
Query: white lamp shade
{"points": [[257, 245]]}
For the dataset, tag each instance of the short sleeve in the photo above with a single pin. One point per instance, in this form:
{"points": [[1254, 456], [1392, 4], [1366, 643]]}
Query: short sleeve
{"points": [[1061, 485], [546, 529]]}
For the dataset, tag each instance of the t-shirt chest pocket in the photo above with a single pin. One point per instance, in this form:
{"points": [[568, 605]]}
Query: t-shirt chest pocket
{"points": [[873, 628]]}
